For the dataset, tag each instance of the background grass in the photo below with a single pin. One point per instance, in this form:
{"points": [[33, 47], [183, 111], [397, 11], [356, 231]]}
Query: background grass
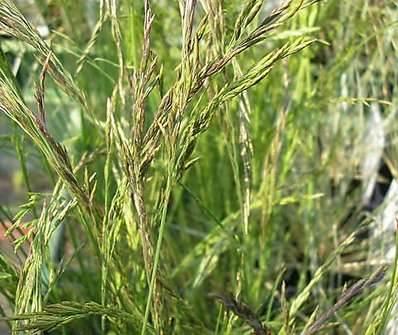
{"points": [[198, 167]]}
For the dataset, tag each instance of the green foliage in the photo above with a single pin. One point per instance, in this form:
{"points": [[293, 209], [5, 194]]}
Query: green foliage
{"points": [[198, 158]]}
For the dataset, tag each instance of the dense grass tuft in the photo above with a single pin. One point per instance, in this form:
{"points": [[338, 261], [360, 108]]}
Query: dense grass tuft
{"points": [[198, 167]]}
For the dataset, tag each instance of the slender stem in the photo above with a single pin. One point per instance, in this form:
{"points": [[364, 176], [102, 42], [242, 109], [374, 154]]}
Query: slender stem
{"points": [[157, 252]]}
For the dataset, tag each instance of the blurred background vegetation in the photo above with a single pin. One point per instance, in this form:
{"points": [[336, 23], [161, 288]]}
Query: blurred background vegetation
{"points": [[288, 203]]}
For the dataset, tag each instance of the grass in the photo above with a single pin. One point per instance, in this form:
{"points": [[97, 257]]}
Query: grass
{"points": [[203, 166]]}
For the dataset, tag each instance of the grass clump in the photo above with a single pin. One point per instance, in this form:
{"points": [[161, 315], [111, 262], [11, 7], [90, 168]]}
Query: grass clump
{"points": [[199, 162]]}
